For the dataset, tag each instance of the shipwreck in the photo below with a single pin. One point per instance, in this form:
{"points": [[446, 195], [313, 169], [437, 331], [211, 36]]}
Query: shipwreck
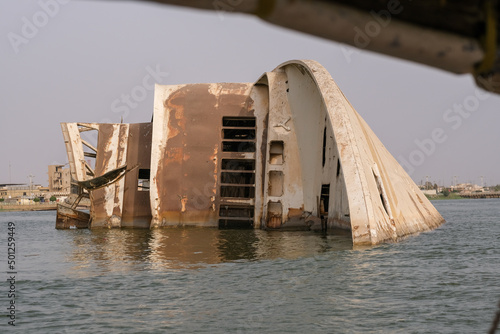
{"points": [[286, 152]]}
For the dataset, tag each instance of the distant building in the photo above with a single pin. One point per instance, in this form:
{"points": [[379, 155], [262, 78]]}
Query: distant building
{"points": [[430, 192], [59, 186], [21, 190], [467, 187], [59, 179]]}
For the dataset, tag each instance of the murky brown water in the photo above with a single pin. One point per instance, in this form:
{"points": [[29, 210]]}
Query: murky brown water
{"points": [[215, 281]]}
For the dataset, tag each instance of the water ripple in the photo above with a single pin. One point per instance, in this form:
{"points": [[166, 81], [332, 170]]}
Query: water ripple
{"points": [[212, 281]]}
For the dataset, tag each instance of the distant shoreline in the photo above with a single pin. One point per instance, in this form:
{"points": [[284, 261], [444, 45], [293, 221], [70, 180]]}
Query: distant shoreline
{"points": [[450, 197], [443, 197], [31, 207]]}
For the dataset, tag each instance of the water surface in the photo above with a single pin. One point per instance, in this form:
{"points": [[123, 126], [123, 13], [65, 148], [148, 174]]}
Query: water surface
{"points": [[216, 281]]}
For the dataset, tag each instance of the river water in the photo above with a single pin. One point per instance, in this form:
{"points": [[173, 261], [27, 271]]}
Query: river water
{"points": [[217, 281]]}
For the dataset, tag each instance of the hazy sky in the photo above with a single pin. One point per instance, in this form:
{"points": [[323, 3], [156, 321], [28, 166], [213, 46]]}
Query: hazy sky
{"points": [[76, 64]]}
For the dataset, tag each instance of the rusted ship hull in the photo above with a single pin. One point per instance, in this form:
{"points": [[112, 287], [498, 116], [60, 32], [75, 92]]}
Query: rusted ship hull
{"points": [[286, 152], [68, 218]]}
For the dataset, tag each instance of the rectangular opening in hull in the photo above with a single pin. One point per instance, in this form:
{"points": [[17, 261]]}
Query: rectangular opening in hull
{"points": [[276, 153], [274, 214], [237, 178], [238, 164], [237, 174], [248, 122], [238, 134], [236, 211], [143, 179], [323, 158], [325, 198], [275, 183], [237, 191], [238, 146]]}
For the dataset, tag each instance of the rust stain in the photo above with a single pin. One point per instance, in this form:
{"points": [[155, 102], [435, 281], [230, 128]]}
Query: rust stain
{"points": [[189, 163], [176, 218], [176, 121], [102, 163], [70, 218], [121, 159], [214, 158], [174, 155], [184, 201], [293, 212], [274, 221]]}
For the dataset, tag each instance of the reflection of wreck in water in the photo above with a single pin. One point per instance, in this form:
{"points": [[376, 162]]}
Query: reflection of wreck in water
{"points": [[287, 152], [122, 249]]}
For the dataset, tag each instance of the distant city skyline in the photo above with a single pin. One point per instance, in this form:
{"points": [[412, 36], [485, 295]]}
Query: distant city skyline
{"points": [[97, 62]]}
